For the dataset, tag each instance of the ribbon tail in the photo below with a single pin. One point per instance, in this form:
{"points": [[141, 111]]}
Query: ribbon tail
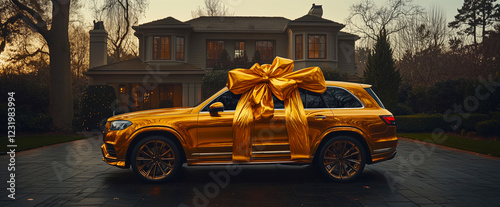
{"points": [[243, 125], [297, 128]]}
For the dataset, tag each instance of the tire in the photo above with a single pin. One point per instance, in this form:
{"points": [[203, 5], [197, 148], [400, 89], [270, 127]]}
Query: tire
{"points": [[341, 159], [156, 159]]}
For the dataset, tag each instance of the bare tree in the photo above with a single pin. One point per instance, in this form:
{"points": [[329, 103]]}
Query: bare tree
{"points": [[212, 8], [437, 26], [368, 19], [50, 21], [119, 16], [422, 32]]}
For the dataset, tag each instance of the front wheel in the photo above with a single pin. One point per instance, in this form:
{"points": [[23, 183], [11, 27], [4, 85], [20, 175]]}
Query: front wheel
{"points": [[341, 159], [156, 159]]}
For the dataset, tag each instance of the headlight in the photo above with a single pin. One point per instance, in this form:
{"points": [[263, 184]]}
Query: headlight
{"points": [[119, 125]]}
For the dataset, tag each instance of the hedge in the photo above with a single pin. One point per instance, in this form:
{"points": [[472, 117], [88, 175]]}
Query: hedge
{"points": [[420, 122], [488, 127], [428, 122]]}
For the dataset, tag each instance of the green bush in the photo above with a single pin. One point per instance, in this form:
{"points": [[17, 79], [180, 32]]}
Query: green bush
{"points": [[96, 105], [420, 122], [488, 127], [213, 81]]}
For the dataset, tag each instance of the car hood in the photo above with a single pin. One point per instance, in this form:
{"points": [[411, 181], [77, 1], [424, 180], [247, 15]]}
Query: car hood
{"points": [[153, 112]]}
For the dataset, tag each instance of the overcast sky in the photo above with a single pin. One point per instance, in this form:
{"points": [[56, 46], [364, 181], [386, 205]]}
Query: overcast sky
{"points": [[336, 10]]}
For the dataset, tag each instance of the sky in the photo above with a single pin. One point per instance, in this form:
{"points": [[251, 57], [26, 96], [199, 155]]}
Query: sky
{"points": [[336, 10]]}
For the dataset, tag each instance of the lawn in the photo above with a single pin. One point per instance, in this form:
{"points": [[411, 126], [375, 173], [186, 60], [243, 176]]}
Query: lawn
{"points": [[34, 141], [483, 146]]}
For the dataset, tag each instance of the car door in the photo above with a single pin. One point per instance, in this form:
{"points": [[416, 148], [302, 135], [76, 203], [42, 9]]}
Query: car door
{"points": [[270, 135], [319, 115], [215, 133]]}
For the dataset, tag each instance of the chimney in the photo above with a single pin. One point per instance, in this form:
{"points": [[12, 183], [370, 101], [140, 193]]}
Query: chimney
{"points": [[98, 45], [316, 10]]}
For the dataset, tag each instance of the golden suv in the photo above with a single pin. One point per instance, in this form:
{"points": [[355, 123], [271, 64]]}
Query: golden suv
{"points": [[348, 128]]}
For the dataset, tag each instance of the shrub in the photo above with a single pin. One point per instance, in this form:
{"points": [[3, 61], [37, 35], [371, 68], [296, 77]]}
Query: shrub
{"points": [[469, 124], [488, 127], [420, 122], [333, 75], [96, 105], [213, 81], [402, 109], [31, 102]]}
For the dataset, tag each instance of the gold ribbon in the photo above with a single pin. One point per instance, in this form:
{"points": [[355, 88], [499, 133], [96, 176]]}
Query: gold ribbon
{"points": [[256, 85]]}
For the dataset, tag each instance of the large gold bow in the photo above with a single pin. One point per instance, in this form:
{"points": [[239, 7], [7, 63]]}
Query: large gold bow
{"points": [[255, 85]]}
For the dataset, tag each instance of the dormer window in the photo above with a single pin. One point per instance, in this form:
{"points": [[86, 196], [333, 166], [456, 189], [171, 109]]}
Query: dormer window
{"points": [[161, 48]]}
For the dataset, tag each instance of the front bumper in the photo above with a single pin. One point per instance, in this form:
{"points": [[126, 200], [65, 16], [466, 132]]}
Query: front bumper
{"points": [[107, 158]]}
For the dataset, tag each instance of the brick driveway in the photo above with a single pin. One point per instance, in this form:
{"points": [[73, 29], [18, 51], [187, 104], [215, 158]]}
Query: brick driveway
{"points": [[421, 175]]}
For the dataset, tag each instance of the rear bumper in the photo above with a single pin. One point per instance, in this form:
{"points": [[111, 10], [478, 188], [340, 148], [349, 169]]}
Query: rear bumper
{"points": [[107, 158], [383, 156]]}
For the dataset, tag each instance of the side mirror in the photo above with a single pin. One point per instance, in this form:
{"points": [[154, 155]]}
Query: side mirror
{"points": [[215, 108]]}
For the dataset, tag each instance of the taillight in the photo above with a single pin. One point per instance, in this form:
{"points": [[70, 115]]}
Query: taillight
{"points": [[388, 119]]}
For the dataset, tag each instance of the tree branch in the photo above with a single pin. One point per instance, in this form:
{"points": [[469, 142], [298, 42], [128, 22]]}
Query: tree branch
{"points": [[40, 25]]}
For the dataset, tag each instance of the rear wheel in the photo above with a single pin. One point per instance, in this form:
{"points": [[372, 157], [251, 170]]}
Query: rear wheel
{"points": [[156, 159], [341, 159]]}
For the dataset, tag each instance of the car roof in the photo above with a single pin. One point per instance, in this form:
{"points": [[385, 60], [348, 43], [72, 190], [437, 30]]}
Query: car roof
{"points": [[347, 84]]}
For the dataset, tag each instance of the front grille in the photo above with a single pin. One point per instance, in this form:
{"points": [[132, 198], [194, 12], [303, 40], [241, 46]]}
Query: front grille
{"points": [[111, 149]]}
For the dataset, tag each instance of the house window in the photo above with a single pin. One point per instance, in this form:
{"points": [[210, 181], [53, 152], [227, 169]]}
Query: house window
{"points": [[299, 47], [179, 48], [266, 50], [239, 49], [317, 47], [214, 50], [161, 48]]}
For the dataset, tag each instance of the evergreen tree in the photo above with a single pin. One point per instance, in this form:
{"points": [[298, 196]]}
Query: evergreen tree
{"points": [[381, 72], [256, 57], [224, 62], [242, 61], [476, 13]]}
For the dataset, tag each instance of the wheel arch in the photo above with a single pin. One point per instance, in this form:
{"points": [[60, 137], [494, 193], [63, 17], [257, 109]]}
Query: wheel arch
{"points": [[344, 131], [166, 132]]}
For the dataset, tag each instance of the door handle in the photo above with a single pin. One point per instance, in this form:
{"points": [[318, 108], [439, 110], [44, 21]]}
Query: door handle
{"points": [[319, 117]]}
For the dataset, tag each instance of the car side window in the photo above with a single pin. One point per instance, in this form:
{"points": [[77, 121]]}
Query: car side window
{"points": [[229, 99], [340, 98], [278, 104], [315, 100]]}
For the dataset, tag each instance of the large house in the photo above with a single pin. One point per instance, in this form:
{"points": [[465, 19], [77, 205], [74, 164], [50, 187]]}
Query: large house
{"points": [[174, 55]]}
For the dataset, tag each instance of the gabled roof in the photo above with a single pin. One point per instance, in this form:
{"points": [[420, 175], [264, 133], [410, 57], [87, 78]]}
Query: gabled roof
{"points": [[162, 23], [238, 24], [311, 19], [136, 66], [347, 36]]}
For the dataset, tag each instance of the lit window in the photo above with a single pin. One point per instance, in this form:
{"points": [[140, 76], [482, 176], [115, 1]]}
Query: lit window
{"points": [[239, 49], [266, 50], [299, 47], [179, 48], [161, 48], [317, 47], [214, 50]]}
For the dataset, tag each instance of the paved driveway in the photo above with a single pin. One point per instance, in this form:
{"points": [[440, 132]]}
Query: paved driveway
{"points": [[73, 174]]}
